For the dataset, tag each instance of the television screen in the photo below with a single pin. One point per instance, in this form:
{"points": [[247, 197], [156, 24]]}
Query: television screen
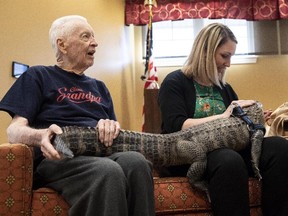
{"points": [[18, 69]]}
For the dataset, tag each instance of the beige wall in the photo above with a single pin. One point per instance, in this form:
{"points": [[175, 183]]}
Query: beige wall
{"points": [[24, 38]]}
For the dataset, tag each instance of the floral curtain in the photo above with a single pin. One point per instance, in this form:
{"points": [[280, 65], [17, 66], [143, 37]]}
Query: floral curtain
{"points": [[138, 14]]}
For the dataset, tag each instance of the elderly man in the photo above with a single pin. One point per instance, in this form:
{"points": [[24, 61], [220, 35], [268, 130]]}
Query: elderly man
{"points": [[45, 98]]}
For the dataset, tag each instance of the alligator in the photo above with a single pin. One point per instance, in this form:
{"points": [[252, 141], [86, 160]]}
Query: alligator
{"points": [[190, 146]]}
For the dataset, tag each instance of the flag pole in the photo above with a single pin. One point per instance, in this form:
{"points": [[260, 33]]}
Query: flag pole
{"points": [[150, 73], [150, 3]]}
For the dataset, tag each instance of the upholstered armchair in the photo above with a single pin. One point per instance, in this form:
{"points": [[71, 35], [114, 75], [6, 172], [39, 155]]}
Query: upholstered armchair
{"points": [[173, 196]]}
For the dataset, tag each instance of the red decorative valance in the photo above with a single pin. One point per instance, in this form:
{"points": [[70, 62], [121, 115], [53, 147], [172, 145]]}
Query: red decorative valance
{"points": [[138, 14]]}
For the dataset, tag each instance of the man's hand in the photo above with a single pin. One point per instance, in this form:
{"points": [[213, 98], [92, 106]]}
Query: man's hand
{"points": [[47, 148], [108, 130], [19, 131]]}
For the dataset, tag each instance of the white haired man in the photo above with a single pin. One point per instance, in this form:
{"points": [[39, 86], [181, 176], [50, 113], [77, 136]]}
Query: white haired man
{"points": [[45, 98]]}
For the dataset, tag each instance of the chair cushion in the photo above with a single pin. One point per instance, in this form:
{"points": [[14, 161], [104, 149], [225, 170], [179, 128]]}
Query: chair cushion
{"points": [[15, 179], [46, 201], [174, 195]]}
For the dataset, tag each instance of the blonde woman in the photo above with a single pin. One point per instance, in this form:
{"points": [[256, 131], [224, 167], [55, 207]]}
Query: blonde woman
{"points": [[198, 93]]}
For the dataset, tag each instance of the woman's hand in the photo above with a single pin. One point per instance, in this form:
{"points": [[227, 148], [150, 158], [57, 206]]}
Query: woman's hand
{"points": [[108, 130], [267, 114], [241, 103], [191, 121], [244, 103], [228, 111]]}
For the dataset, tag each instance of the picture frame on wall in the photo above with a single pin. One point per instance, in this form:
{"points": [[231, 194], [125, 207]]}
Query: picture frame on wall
{"points": [[18, 69]]}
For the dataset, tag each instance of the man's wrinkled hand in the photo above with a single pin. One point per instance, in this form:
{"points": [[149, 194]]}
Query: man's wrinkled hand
{"points": [[108, 130]]}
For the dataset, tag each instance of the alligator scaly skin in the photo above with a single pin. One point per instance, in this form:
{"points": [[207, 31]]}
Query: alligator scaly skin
{"points": [[188, 146]]}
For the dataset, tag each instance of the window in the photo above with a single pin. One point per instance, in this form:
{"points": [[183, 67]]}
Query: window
{"points": [[173, 40]]}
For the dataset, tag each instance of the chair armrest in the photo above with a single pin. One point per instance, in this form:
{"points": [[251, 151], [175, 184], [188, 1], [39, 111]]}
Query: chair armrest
{"points": [[16, 170]]}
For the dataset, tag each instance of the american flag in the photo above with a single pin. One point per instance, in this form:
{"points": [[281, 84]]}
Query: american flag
{"points": [[150, 73]]}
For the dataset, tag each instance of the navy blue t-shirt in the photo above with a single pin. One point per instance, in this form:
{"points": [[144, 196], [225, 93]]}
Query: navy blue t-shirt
{"points": [[48, 95]]}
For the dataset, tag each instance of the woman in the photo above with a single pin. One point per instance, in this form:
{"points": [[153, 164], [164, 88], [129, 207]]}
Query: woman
{"points": [[198, 93]]}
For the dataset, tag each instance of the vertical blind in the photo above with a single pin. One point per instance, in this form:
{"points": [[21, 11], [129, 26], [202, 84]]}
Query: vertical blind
{"points": [[138, 14]]}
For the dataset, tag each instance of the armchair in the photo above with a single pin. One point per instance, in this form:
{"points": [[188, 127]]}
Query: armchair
{"points": [[173, 196]]}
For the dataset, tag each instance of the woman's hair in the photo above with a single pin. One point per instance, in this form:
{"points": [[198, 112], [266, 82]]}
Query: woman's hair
{"points": [[61, 28], [201, 61]]}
